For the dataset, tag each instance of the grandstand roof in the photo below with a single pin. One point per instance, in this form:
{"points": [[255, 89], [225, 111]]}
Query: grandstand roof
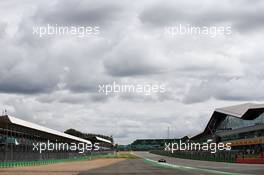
{"points": [[102, 139], [16, 121], [247, 111], [241, 110]]}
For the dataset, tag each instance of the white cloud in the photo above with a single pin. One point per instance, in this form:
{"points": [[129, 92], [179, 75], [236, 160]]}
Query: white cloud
{"points": [[54, 81]]}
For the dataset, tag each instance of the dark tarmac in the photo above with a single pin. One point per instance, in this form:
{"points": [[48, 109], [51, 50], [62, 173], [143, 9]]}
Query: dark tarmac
{"points": [[136, 167], [179, 166]]}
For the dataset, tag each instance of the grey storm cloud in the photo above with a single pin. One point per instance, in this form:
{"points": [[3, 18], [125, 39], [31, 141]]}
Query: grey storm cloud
{"points": [[235, 89], [79, 12], [21, 75], [2, 29], [49, 80], [241, 15], [132, 59]]}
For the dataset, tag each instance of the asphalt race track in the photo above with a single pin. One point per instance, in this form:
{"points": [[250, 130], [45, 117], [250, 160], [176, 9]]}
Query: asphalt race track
{"points": [[220, 167], [135, 167], [181, 167]]}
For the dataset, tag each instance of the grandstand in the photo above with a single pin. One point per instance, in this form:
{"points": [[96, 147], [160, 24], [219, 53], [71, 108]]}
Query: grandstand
{"points": [[241, 125], [106, 143], [150, 144], [17, 138]]}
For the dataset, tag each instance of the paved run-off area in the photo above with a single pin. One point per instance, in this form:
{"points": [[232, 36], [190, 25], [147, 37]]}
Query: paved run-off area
{"points": [[132, 166]]}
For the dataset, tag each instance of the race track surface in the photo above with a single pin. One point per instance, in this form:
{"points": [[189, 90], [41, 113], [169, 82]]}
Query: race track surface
{"points": [[148, 165], [221, 167], [136, 167]]}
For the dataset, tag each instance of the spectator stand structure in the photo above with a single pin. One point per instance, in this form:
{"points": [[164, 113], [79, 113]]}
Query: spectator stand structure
{"points": [[17, 137]]}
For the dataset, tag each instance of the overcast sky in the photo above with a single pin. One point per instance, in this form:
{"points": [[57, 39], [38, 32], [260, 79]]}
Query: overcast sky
{"points": [[53, 80]]}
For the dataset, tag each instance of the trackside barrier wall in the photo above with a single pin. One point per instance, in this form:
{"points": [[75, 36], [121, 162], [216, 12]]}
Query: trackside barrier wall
{"points": [[44, 162], [218, 157], [251, 160]]}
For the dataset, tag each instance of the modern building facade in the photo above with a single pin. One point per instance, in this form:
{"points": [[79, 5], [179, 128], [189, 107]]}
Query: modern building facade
{"points": [[241, 125]]}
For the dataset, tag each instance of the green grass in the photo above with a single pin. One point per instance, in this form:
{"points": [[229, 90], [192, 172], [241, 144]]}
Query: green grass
{"points": [[126, 155]]}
